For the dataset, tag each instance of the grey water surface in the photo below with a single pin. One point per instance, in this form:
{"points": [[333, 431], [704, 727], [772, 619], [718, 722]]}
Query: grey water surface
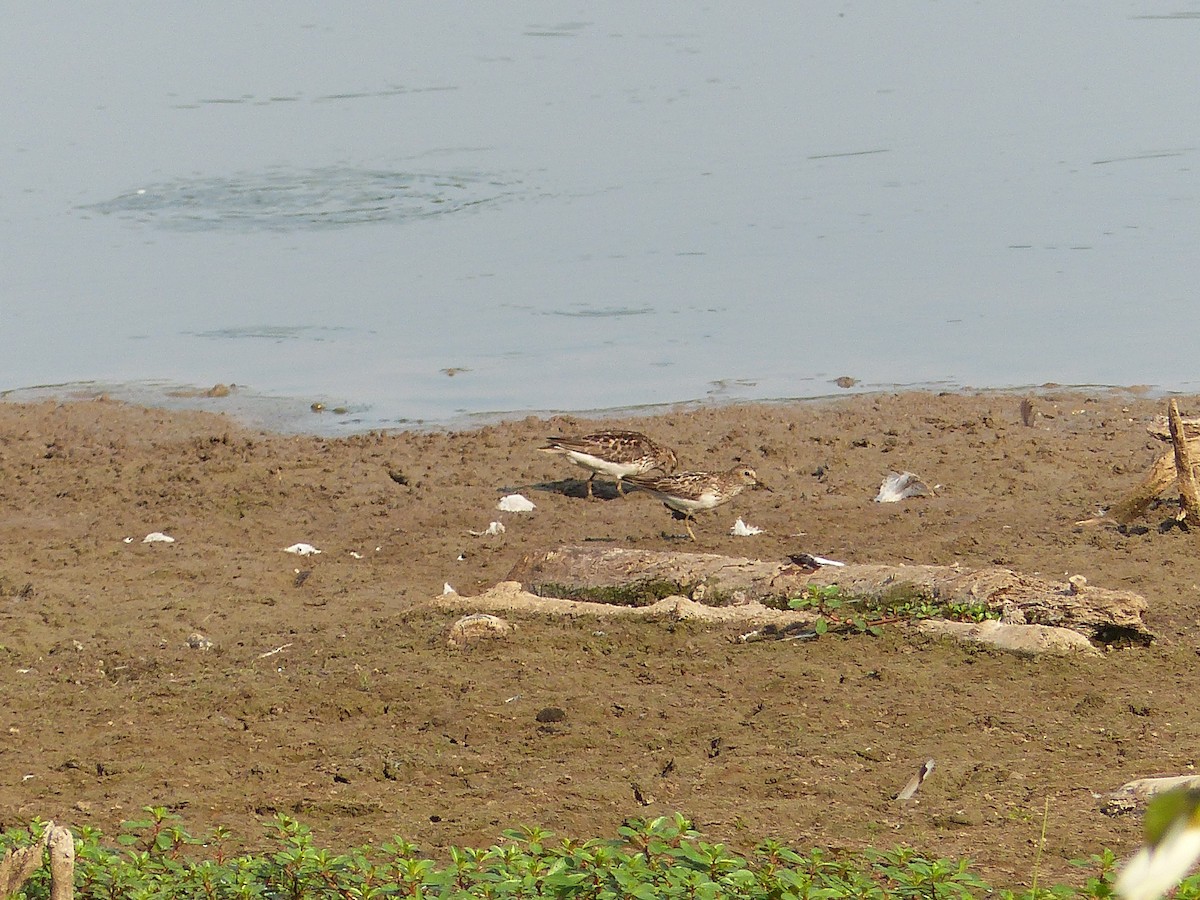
{"points": [[428, 213]]}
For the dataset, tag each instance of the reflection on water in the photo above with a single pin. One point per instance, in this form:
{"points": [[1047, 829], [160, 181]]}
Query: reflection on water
{"points": [[277, 332], [314, 199], [251, 99], [602, 312]]}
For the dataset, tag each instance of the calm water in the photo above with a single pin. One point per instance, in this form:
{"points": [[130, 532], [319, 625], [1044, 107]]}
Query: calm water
{"points": [[433, 211]]}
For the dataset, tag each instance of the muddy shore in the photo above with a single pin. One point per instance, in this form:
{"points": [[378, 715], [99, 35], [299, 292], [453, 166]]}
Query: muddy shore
{"points": [[323, 686]]}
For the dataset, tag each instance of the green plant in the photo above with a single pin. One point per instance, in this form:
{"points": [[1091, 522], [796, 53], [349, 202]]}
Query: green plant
{"points": [[1100, 885], [649, 859], [910, 875], [834, 610], [867, 614]]}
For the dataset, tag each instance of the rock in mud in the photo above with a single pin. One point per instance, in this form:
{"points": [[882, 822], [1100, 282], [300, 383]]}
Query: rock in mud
{"points": [[477, 627]]}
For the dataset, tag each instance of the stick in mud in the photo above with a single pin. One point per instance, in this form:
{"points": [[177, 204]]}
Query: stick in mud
{"points": [[1189, 496]]}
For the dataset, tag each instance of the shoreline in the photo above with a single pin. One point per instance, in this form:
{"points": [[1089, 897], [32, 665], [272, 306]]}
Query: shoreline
{"points": [[328, 418]]}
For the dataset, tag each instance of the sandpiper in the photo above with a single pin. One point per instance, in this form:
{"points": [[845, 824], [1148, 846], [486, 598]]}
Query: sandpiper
{"points": [[618, 454], [692, 492]]}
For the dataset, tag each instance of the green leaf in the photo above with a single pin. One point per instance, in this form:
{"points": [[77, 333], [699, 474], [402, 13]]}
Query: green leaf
{"points": [[1169, 808]]}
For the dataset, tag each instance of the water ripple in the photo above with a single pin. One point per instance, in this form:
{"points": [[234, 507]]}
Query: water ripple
{"points": [[601, 312], [275, 332], [302, 200]]}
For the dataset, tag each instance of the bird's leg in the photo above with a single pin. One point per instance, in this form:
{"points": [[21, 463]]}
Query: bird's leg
{"points": [[687, 523], [620, 490], [589, 485]]}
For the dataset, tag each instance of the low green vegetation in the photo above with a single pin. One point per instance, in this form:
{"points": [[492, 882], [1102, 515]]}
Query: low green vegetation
{"points": [[650, 859], [868, 614]]}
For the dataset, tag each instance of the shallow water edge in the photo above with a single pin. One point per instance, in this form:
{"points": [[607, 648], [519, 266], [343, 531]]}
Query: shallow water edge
{"points": [[325, 417]]}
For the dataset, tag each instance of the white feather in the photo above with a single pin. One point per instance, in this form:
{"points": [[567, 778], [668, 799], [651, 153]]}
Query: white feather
{"points": [[741, 529], [515, 503]]}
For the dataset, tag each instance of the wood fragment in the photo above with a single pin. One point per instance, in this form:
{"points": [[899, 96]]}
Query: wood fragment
{"points": [[640, 577], [1160, 429], [1024, 640], [1165, 471], [1189, 495], [1027, 413], [62, 862], [18, 865], [1134, 795], [1137, 501]]}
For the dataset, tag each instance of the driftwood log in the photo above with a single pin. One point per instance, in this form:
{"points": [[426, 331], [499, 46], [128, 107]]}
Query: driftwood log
{"points": [[1185, 473], [642, 577], [1175, 466], [18, 866], [1134, 795]]}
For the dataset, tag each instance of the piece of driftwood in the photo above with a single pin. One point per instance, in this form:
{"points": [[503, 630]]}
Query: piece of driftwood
{"points": [[1025, 640], [1134, 795], [62, 862], [765, 623], [1160, 428], [1137, 501], [1166, 470], [18, 866], [1189, 497], [641, 577], [509, 597]]}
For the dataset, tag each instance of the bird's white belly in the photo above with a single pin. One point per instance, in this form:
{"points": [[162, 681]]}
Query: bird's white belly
{"points": [[603, 466], [706, 500]]}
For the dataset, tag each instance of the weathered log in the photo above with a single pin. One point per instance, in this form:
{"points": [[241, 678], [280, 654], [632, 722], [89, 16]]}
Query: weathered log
{"points": [[18, 865], [765, 623], [1166, 469], [1134, 795], [1160, 428], [1137, 501], [62, 862], [1189, 496], [1026, 640], [641, 577]]}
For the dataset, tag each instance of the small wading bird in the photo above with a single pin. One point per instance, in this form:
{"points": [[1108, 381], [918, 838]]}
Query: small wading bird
{"points": [[691, 492], [618, 454]]}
